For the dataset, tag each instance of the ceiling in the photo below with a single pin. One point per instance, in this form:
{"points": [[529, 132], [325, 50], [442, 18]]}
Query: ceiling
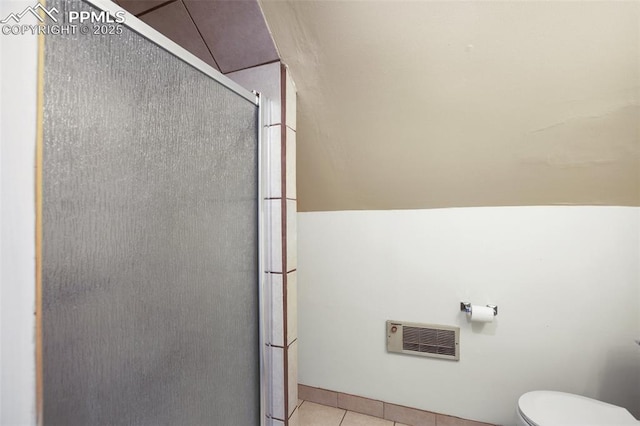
{"points": [[228, 35], [427, 104]]}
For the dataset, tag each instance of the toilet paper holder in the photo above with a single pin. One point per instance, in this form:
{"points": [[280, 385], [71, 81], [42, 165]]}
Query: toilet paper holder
{"points": [[466, 307]]}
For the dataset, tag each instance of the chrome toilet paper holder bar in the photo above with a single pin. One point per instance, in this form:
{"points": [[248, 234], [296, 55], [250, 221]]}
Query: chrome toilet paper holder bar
{"points": [[466, 307]]}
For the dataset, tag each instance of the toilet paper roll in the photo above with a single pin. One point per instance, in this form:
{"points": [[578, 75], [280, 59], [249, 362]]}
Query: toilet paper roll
{"points": [[481, 314]]}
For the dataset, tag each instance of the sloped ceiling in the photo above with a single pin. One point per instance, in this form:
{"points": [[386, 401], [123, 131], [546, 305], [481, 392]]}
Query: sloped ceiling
{"points": [[426, 104]]}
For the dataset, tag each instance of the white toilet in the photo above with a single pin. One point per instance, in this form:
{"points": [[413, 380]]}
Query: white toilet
{"points": [[550, 408]]}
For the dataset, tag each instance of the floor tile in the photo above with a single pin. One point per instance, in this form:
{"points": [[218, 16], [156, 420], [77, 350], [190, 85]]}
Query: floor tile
{"points": [[312, 414], [356, 419], [294, 420]]}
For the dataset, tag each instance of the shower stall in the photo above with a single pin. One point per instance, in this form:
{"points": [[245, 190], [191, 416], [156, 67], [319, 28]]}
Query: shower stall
{"points": [[149, 231]]}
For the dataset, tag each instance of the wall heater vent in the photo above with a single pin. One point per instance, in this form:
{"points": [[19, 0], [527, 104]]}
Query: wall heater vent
{"points": [[436, 341]]}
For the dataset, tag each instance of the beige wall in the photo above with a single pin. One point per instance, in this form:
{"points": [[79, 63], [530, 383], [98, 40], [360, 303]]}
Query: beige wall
{"points": [[439, 104]]}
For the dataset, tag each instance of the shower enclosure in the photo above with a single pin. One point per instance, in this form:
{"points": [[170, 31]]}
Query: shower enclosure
{"points": [[150, 252]]}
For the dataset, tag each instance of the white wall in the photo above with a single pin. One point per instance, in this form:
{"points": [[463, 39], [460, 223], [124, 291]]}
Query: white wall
{"points": [[566, 280], [18, 74]]}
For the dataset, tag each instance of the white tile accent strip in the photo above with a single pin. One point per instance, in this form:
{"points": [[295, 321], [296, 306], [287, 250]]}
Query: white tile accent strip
{"points": [[292, 238], [292, 376], [277, 382], [291, 164], [273, 235], [292, 306], [274, 162], [291, 102], [277, 315]]}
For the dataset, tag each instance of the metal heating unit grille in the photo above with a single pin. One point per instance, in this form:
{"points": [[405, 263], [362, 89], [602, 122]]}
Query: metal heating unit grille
{"points": [[438, 341]]}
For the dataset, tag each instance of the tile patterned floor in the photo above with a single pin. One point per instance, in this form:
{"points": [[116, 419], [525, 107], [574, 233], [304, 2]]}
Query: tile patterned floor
{"points": [[312, 414]]}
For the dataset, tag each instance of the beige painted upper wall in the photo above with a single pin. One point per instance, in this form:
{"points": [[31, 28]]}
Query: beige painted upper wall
{"points": [[423, 104]]}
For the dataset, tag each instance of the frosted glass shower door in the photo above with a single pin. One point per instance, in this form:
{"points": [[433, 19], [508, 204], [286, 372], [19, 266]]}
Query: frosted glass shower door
{"points": [[149, 238]]}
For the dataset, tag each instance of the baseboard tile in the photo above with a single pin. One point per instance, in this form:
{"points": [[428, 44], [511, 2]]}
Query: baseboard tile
{"points": [[381, 409]]}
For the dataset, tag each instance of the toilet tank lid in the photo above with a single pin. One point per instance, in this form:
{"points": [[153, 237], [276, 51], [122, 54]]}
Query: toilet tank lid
{"points": [[551, 408]]}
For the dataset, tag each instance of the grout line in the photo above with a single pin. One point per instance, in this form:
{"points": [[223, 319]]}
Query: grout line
{"points": [[270, 345], [201, 36], [345, 415], [144, 12]]}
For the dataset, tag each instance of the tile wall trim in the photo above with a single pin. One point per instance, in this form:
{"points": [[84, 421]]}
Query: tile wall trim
{"points": [[292, 383], [275, 336], [283, 410], [377, 408], [291, 333], [289, 251]]}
